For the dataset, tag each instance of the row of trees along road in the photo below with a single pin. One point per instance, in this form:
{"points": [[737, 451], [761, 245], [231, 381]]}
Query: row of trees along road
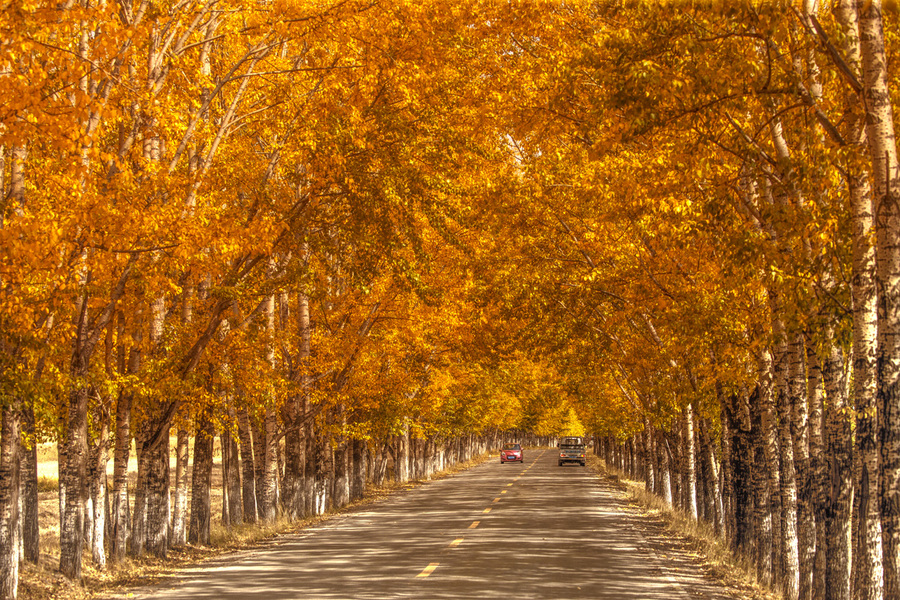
{"points": [[328, 232]]}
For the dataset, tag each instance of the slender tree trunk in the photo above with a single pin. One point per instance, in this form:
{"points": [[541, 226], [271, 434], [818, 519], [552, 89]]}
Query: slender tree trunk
{"points": [[151, 512], [98, 491], [75, 476], [403, 472], [886, 190], [268, 508], [790, 559], [716, 512], [260, 450], [311, 469], [690, 461], [180, 512], [817, 492], [743, 474], [799, 428], [767, 465], [838, 491], [341, 494], [231, 472], [30, 525], [867, 556], [248, 468], [9, 503], [294, 468], [121, 526], [650, 473], [201, 482], [665, 470]]}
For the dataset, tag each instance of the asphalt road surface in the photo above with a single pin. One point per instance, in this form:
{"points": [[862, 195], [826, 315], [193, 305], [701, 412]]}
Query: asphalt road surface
{"points": [[523, 531]]}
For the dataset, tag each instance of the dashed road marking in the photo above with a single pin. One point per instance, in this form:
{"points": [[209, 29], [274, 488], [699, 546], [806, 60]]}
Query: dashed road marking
{"points": [[456, 542], [474, 524], [497, 499], [428, 570], [487, 510]]}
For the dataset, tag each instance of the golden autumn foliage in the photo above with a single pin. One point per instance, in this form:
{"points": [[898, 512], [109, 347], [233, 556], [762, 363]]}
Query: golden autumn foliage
{"points": [[442, 217]]}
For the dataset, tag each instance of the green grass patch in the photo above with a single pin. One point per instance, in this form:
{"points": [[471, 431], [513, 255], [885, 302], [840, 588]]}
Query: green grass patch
{"points": [[48, 484]]}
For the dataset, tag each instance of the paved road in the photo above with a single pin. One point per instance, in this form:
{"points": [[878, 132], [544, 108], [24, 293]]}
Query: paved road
{"points": [[526, 531]]}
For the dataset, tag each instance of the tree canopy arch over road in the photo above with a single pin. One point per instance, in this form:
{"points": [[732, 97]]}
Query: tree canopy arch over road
{"points": [[347, 235]]}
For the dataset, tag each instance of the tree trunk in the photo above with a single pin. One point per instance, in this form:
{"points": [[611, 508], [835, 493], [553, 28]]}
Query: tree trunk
{"points": [[151, 507], [690, 462], [799, 429], [248, 468], [260, 449], [294, 469], [665, 469], [742, 473], [9, 503], [766, 475], [341, 481], [74, 474], [817, 491], [121, 526], [403, 456], [201, 482], [886, 189], [180, 512], [311, 469], [650, 470], [715, 510], [790, 552], [100, 456], [231, 472], [269, 505], [31, 546], [838, 492]]}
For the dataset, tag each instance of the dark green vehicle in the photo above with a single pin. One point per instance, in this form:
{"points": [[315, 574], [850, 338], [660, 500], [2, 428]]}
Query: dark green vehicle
{"points": [[571, 450]]}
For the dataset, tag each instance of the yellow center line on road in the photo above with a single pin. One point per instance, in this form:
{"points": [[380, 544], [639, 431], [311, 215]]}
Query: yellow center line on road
{"points": [[508, 485], [428, 570], [456, 542], [497, 499], [487, 510], [504, 491], [474, 524]]}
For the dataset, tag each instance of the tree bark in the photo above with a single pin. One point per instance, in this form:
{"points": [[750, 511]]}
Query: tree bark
{"points": [[100, 456], [231, 472], [151, 507], [790, 552], [31, 547], [817, 491], [690, 461], [75, 477], [201, 482], [248, 467], [269, 504], [9, 503], [799, 429], [180, 512], [341, 483], [886, 189]]}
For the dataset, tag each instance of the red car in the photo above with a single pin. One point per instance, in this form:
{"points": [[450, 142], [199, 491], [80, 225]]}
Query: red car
{"points": [[511, 453]]}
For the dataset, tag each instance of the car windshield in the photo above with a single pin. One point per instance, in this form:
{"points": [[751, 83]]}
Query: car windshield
{"points": [[512, 447], [571, 442]]}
